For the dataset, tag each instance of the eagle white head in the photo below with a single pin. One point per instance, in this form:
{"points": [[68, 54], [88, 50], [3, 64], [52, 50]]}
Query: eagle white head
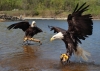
{"points": [[33, 23], [57, 36]]}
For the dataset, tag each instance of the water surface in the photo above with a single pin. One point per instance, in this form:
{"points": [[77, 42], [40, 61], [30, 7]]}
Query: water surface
{"points": [[17, 57]]}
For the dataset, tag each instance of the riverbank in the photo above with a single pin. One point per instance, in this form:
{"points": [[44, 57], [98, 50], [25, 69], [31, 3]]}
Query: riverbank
{"points": [[44, 18], [58, 18], [42, 15], [47, 18]]}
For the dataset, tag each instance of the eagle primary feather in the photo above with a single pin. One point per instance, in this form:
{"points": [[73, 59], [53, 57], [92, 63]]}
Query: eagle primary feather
{"points": [[21, 25]]}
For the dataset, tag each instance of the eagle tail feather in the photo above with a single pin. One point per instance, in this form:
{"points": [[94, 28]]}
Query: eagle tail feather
{"points": [[82, 53]]}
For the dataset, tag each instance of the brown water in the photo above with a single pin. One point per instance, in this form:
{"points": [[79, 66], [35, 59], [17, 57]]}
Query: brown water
{"points": [[14, 56]]}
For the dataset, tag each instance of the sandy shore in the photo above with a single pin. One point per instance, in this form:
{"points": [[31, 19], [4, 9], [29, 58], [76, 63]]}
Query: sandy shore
{"points": [[44, 18]]}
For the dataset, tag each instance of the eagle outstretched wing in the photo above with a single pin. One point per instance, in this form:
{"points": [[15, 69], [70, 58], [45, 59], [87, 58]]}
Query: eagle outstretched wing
{"points": [[57, 29], [80, 25], [21, 25]]}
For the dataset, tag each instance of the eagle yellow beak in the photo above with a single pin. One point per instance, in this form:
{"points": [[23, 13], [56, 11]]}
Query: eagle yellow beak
{"points": [[51, 39]]}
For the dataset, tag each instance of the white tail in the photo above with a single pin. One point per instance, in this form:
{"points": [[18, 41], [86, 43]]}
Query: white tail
{"points": [[82, 53]]}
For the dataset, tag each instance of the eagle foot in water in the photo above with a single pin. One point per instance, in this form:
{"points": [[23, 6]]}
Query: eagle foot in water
{"points": [[31, 39], [35, 40], [64, 58], [40, 42]]}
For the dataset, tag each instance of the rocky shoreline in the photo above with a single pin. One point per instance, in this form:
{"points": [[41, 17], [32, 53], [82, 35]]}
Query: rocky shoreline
{"points": [[4, 17], [14, 18]]}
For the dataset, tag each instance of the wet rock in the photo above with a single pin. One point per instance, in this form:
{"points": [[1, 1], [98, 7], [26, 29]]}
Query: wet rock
{"points": [[9, 18]]}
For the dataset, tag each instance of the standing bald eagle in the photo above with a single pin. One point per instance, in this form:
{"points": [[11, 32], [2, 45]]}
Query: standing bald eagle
{"points": [[80, 27], [30, 30]]}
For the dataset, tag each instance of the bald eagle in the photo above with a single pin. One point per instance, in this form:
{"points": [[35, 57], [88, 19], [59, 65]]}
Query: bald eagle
{"points": [[30, 30], [79, 28]]}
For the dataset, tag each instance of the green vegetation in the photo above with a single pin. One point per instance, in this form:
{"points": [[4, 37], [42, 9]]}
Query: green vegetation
{"points": [[46, 8]]}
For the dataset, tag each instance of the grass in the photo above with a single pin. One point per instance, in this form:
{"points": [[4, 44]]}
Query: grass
{"points": [[46, 13]]}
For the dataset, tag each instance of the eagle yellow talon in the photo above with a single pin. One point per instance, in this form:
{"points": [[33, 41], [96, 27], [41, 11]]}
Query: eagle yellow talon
{"points": [[64, 58], [25, 39]]}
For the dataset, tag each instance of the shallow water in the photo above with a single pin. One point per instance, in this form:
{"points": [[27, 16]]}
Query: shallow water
{"points": [[17, 57]]}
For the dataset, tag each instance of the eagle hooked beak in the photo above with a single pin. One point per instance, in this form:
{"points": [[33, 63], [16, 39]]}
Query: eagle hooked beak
{"points": [[51, 39]]}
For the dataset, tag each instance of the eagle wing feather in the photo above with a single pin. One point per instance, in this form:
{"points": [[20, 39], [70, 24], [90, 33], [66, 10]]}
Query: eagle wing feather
{"points": [[57, 29], [21, 25], [80, 25]]}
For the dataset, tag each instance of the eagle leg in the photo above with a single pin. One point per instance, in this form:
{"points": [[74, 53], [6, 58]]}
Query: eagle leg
{"points": [[64, 58], [68, 61], [25, 40], [35, 40]]}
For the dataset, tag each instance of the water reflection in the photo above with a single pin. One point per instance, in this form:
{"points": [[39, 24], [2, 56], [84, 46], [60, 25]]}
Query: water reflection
{"points": [[28, 50], [21, 60]]}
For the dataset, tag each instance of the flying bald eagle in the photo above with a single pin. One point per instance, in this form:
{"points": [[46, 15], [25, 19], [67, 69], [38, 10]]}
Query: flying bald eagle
{"points": [[30, 30], [79, 28]]}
